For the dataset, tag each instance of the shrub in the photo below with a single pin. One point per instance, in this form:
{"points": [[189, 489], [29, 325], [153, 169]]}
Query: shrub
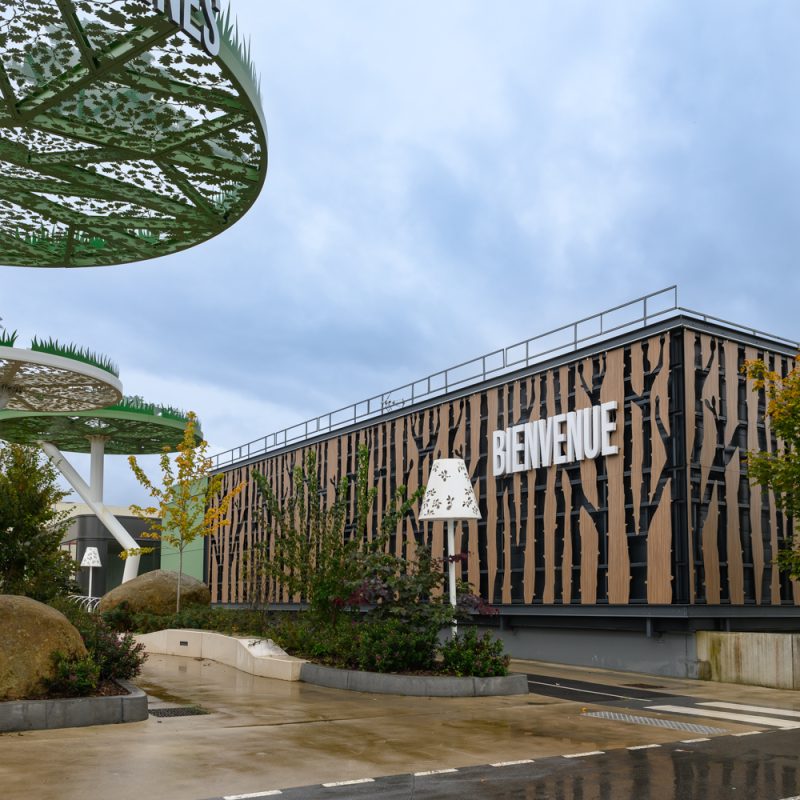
{"points": [[466, 654], [73, 677], [393, 645], [244, 621], [304, 635], [120, 618], [116, 655]]}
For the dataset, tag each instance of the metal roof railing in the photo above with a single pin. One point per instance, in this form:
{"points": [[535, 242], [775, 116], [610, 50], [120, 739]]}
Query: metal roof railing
{"points": [[567, 338]]}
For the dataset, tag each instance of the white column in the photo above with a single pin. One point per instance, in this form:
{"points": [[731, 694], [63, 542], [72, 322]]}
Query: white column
{"points": [[98, 450], [112, 524]]}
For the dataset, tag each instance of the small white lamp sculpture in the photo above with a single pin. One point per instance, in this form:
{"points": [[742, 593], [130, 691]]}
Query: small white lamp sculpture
{"points": [[449, 496], [91, 559]]}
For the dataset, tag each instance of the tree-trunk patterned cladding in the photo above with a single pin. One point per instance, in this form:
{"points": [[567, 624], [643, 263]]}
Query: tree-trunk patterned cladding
{"points": [[735, 529], [610, 530]]}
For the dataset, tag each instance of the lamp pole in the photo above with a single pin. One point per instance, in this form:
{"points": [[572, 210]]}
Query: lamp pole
{"points": [[451, 571]]}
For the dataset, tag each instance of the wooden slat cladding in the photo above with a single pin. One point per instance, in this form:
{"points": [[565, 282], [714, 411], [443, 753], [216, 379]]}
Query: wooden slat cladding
{"points": [[618, 560], [733, 526], [598, 531]]}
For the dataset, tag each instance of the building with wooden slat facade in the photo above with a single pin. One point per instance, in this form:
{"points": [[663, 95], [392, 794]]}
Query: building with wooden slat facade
{"points": [[613, 560]]}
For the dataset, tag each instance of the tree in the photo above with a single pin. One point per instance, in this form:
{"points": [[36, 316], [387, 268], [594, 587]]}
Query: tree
{"points": [[779, 470], [32, 562], [310, 552], [189, 503]]}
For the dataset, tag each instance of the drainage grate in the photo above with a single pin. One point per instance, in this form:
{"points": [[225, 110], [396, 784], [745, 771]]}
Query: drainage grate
{"points": [[183, 711], [655, 721]]}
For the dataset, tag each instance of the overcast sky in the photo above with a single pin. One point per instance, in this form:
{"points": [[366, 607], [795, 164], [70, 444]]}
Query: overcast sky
{"points": [[446, 178]]}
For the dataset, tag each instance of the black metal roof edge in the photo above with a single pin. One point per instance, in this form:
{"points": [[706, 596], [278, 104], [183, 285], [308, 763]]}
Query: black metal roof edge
{"points": [[595, 614], [645, 611], [680, 320]]}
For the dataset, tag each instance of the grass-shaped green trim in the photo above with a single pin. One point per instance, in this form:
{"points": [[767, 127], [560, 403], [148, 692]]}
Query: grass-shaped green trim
{"points": [[231, 34], [72, 351], [138, 405], [7, 338]]}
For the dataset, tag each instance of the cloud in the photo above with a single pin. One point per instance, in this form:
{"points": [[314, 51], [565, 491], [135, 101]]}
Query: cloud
{"points": [[446, 179]]}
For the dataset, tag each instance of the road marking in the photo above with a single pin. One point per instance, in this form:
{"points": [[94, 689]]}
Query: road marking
{"points": [[512, 763], [588, 753], [582, 691], [694, 741], [749, 718], [643, 747], [748, 733], [433, 772], [779, 712], [348, 783], [268, 793]]}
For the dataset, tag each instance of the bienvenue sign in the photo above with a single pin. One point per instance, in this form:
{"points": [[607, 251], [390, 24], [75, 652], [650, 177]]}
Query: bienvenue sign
{"points": [[560, 439]]}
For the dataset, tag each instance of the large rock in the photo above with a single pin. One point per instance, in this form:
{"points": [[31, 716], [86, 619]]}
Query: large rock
{"points": [[156, 592], [30, 632]]}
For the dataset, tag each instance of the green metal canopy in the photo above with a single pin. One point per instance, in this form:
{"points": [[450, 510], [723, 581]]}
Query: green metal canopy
{"points": [[129, 129], [128, 428], [50, 376]]}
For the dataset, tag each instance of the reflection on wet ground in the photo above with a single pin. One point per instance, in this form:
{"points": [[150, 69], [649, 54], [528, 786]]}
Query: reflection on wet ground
{"points": [[759, 767]]}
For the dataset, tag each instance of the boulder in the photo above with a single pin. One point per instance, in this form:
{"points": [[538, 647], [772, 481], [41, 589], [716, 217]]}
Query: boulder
{"points": [[30, 632], [156, 593]]}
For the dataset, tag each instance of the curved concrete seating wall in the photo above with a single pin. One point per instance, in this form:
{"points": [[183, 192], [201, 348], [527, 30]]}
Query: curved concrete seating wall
{"points": [[246, 654]]}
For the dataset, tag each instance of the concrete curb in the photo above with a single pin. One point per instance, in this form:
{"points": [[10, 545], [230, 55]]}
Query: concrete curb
{"points": [[74, 712], [412, 685]]}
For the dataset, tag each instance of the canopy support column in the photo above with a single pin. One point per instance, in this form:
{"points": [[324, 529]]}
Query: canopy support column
{"points": [[98, 450], [112, 524]]}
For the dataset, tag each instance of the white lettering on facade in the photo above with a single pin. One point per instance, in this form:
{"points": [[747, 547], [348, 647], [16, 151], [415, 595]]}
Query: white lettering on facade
{"points": [[189, 14], [561, 439]]}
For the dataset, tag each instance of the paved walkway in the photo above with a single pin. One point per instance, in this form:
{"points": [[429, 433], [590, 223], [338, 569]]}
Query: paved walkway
{"points": [[262, 735]]}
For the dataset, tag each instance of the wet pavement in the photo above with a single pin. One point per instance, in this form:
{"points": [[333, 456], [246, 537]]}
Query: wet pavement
{"points": [[757, 768], [264, 736]]}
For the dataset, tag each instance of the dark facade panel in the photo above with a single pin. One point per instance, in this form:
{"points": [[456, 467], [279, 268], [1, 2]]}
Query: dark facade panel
{"points": [[670, 519]]}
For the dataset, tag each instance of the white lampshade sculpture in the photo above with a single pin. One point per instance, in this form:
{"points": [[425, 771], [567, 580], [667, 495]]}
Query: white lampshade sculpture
{"points": [[449, 496], [91, 559]]}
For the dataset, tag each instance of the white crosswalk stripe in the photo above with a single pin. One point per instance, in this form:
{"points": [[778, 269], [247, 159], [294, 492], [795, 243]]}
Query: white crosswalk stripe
{"points": [[750, 719], [778, 712]]}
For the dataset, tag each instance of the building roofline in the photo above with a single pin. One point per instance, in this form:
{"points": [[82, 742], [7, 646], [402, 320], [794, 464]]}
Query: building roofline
{"points": [[502, 368]]}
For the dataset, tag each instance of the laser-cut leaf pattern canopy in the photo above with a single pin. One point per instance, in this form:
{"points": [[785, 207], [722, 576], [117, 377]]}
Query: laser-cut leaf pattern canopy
{"points": [[130, 427], [121, 139], [54, 380]]}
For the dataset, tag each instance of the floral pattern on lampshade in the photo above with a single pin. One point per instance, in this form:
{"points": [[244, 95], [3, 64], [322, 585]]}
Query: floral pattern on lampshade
{"points": [[449, 493]]}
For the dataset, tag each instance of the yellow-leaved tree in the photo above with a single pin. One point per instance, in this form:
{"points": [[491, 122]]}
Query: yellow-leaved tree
{"points": [[188, 503], [779, 469]]}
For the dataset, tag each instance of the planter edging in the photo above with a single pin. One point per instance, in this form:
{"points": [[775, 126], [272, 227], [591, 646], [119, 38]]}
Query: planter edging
{"points": [[412, 685], [74, 712]]}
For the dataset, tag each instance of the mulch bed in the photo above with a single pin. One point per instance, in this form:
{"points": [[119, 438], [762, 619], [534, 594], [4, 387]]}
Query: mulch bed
{"points": [[104, 689]]}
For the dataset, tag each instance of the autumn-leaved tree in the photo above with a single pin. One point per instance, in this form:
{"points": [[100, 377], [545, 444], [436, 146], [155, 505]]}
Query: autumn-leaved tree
{"points": [[188, 503], [780, 470]]}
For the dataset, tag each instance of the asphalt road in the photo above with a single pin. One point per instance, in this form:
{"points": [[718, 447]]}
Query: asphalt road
{"points": [[763, 766]]}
